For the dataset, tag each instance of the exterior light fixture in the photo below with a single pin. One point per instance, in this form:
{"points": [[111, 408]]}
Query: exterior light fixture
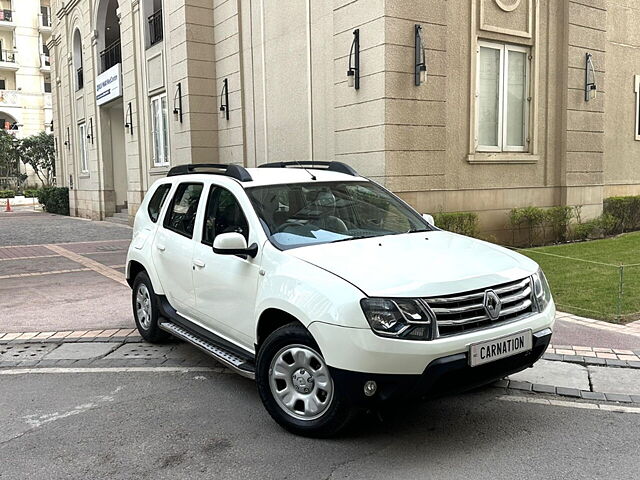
{"points": [[224, 100], [353, 74], [90, 134], [590, 87], [177, 103], [421, 58], [129, 119]]}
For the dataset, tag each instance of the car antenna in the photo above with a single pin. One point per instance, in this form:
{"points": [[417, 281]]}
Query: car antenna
{"points": [[313, 177]]}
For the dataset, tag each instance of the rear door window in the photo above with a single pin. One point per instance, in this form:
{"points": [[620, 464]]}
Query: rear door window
{"points": [[156, 202], [181, 216]]}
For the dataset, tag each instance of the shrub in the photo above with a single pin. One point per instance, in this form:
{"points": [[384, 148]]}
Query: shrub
{"points": [[31, 192], [7, 194], [531, 218], [464, 223], [607, 224], [586, 230], [54, 199], [626, 211], [558, 218]]}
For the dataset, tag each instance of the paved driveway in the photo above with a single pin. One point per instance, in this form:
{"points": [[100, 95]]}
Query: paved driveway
{"points": [[62, 273]]}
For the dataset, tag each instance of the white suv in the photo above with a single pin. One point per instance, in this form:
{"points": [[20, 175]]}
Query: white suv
{"points": [[329, 290]]}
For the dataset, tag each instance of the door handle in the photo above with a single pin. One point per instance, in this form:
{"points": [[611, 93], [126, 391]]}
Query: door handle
{"points": [[198, 263], [160, 247]]}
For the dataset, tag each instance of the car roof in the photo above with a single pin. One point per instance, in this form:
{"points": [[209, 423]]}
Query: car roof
{"points": [[272, 176]]}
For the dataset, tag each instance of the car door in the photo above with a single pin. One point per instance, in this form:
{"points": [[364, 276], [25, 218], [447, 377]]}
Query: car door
{"points": [[172, 249], [225, 285]]}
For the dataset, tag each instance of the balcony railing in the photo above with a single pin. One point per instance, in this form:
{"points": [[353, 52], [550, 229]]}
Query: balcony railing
{"points": [[79, 78], [110, 56], [155, 27], [45, 60], [6, 15], [8, 56], [9, 98]]}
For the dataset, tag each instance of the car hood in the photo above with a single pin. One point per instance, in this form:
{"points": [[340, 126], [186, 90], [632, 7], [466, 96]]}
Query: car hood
{"points": [[418, 264]]}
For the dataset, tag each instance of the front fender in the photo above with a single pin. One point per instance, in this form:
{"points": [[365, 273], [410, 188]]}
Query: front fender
{"points": [[307, 292]]}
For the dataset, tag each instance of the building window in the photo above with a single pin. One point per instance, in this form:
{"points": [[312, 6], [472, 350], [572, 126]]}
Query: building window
{"points": [[47, 85], [3, 84], [77, 60], [84, 161], [637, 111], [160, 131], [502, 98]]}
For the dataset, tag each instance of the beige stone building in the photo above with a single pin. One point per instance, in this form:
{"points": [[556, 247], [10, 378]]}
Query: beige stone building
{"points": [[25, 69], [525, 102]]}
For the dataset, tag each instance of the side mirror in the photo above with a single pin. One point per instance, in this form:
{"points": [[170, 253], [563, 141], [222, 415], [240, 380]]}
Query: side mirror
{"points": [[429, 219], [233, 243]]}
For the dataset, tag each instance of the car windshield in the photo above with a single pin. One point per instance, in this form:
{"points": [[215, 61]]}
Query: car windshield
{"points": [[296, 215]]}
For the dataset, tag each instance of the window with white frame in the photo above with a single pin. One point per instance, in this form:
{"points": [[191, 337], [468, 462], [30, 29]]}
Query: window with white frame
{"points": [[84, 160], [502, 98], [637, 110], [159, 131]]}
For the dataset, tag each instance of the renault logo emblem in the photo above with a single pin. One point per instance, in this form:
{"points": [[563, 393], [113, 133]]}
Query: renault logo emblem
{"points": [[492, 304]]}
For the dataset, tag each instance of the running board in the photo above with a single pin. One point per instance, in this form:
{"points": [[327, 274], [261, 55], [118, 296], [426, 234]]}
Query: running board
{"points": [[223, 356]]}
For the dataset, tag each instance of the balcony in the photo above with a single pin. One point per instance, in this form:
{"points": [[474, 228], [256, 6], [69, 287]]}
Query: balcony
{"points": [[155, 27], [6, 20], [44, 24], [45, 63], [8, 61], [110, 56]]}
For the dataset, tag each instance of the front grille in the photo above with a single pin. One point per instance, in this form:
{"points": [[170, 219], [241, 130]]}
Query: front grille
{"points": [[465, 312]]}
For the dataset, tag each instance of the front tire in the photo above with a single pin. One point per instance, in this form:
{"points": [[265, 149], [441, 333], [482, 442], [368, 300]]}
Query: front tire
{"points": [[296, 387], [145, 309]]}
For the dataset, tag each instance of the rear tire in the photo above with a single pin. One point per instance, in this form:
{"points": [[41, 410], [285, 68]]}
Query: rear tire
{"points": [[145, 309], [296, 387]]}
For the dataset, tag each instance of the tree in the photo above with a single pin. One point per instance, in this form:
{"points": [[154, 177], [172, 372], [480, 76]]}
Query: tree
{"points": [[10, 176], [38, 151]]}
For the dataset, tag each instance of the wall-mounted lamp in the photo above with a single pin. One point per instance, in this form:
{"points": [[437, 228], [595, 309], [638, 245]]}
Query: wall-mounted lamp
{"points": [[421, 58], [353, 74], [90, 134], [129, 119], [224, 100], [177, 103], [590, 87]]}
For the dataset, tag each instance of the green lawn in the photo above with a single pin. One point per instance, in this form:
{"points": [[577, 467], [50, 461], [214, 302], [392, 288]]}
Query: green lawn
{"points": [[592, 289]]}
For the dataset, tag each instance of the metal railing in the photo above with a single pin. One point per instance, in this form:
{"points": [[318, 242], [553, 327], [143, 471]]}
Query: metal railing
{"points": [[79, 78], [155, 27], [45, 60], [8, 56], [110, 56], [6, 15]]}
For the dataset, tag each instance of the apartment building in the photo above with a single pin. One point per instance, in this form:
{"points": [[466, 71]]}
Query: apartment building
{"points": [[458, 105], [25, 67]]}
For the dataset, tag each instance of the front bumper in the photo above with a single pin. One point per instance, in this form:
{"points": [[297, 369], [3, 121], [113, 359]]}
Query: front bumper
{"points": [[449, 374]]}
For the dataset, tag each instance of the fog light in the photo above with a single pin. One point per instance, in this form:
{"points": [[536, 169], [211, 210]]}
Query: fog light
{"points": [[370, 388]]}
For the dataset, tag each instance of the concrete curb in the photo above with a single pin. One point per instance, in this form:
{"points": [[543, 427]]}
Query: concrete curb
{"points": [[591, 361], [566, 392]]}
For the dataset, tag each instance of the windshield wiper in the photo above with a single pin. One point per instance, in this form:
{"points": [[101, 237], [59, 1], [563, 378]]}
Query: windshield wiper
{"points": [[357, 237], [418, 230]]}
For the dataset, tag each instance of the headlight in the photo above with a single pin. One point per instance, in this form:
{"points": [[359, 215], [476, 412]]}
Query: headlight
{"points": [[541, 290], [410, 319]]}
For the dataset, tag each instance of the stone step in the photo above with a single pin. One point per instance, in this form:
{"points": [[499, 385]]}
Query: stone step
{"points": [[118, 219]]}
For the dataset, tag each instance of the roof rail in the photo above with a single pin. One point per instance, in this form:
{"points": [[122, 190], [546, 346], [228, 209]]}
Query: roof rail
{"points": [[338, 167], [231, 170]]}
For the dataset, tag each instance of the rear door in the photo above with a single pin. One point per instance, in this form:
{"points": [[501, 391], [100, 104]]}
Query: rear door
{"points": [[172, 248]]}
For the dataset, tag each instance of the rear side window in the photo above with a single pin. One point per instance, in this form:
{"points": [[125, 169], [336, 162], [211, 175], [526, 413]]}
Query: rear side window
{"points": [[181, 216], [156, 202]]}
